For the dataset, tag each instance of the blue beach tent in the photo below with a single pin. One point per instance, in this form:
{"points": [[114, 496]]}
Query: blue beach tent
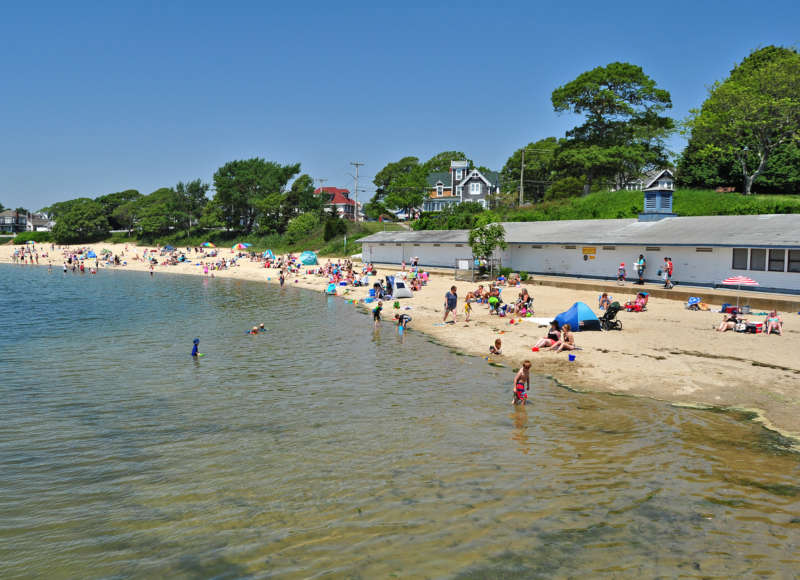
{"points": [[579, 317], [269, 254], [91, 254], [308, 258]]}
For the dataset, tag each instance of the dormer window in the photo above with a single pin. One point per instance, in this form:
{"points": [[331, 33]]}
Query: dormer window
{"points": [[439, 190], [459, 174]]}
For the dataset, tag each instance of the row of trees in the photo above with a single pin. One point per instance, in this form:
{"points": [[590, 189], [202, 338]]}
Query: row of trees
{"points": [[251, 196]]}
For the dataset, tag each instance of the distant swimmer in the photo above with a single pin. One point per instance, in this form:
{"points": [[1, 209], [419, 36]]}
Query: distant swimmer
{"points": [[195, 346]]}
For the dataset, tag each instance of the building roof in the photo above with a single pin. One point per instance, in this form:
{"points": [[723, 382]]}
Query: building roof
{"points": [[436, 176], [654, 176], [773, 230], [338, 196]]}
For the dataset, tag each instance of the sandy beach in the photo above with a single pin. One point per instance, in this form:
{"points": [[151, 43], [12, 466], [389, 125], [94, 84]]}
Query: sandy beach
{"points": [[667, 352]]}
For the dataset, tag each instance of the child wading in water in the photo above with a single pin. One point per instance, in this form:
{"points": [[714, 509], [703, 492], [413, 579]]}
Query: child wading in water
{"points": [[522, 384], [376, 313]]}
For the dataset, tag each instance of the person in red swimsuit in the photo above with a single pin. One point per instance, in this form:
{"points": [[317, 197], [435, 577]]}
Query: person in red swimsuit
{"points": [[522, 384]]}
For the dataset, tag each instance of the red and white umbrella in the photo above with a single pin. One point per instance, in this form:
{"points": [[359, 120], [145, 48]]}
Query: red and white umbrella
{"points": [[739, 281]]}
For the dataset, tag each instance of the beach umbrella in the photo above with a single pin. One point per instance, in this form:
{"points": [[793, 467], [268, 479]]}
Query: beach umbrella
{"points": [[241, 246], [739, 281], [208, 245]]}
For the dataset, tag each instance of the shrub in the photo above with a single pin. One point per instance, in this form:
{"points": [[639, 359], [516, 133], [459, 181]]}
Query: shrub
{"points": [[523, 276], [23, 237], [506, 271], [564, 188], [300, 226]]}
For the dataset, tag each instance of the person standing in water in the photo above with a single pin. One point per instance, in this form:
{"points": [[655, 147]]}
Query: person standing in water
{"points": [[522, 384], [195, 346]]}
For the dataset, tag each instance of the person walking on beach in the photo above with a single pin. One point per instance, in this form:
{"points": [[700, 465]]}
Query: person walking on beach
{"points": [[522, 384], [668, 266], [450, 304], [641, 265]]}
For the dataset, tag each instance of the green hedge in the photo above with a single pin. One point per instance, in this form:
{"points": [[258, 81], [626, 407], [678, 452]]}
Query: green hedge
{"points": [[34, 236]]}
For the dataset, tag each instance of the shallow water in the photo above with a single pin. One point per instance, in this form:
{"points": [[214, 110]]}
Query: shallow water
{"points": [[323, 449]]}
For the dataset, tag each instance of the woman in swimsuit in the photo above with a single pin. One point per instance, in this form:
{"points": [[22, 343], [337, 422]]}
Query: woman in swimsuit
{"points": [[728, 323], [773, 323], [552, 337], [567, 341]]}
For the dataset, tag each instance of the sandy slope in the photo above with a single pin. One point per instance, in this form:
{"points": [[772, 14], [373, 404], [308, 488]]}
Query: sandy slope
{"points": [[667, 352]]}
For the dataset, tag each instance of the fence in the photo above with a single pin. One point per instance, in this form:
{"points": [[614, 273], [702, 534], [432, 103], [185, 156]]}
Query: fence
{"points": [[471, 270]]}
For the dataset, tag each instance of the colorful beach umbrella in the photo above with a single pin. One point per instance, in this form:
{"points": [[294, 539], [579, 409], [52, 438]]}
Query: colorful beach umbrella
{"points": [[242, 246], [30, 242], [207, 245], [739, 281]]}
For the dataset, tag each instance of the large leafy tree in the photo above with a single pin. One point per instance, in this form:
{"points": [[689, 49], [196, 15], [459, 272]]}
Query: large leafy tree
{"points": [[485, 239], [539, 168], [84, 221], [401, 184], [190, 198], [159, 213], [112, 201], [747, 119], [624, 129], [250, 192], [301, 199]]}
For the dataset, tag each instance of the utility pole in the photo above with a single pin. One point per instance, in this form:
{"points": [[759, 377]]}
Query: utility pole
{"points": [[522, 180], [356, 164]]}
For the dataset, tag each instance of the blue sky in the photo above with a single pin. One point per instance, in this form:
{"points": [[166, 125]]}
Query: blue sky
{"points": [[98, 97]]}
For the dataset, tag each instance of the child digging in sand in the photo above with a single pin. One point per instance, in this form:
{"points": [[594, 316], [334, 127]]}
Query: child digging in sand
{"points": [[522, 384]]}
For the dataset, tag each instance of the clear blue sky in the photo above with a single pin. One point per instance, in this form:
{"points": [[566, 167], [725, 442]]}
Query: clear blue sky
{"points": [[98, 97]]}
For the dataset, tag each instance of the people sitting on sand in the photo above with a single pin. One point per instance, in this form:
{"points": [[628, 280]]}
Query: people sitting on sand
{"points": [[605, 301], [729, 322], [497, 347], [553, 336], [773, 323], [567, 340]]}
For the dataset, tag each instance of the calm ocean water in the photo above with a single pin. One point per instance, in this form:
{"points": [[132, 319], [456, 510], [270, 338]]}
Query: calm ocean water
{"points": [[324, 449]]}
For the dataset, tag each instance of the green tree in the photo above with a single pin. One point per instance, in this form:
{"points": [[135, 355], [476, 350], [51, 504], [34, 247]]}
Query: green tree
{"points": [[301, 197], [389, 175], [301, 226], [112, 201], [751, 115], [563, 188], [191, 198], [441, 161], [374, 208], [85, 221], [250, 192], [485, 239], [624, 131], [60, 208], [159, 213], [539, 168]]}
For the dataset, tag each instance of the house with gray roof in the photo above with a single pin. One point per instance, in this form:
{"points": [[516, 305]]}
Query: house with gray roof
{"points": [[459, 185]]}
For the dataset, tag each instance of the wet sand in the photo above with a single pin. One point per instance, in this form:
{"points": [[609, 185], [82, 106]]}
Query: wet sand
{"points": [[667, 353]]}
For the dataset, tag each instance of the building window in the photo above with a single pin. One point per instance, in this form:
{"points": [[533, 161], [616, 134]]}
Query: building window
{"points": [[569, 247], [459, 190], [794, 261], [439, 190], [459, 174], [758, 259], [652, 249], [709, 250], [739, 259], [475, 188], [649, 201], [777, 260], [436, 245], [609, 247]]}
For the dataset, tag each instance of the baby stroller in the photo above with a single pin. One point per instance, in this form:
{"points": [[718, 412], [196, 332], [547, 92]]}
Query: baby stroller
{"points": [[609, 319]]}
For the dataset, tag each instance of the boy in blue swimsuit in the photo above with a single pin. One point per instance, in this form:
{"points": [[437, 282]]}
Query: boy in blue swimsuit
{"points": [[195, 344]]}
